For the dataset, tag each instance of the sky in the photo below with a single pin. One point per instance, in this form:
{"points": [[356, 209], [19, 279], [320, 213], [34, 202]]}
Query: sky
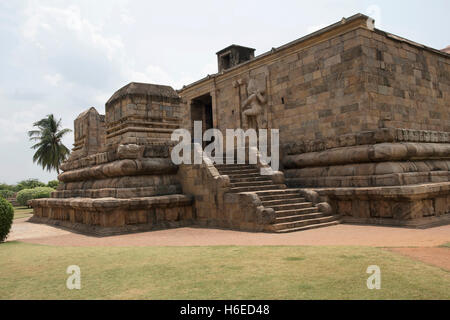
{"points": [[62, 57]]}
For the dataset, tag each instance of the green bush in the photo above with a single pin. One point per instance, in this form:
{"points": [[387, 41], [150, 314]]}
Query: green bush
{"points": [[23, 196], [42, 192], [53, 184], [6, 218], [6, 194], [36, 193]]}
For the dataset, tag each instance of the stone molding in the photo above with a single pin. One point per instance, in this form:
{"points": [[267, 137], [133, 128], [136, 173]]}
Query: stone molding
{"points": [[421, 205], [127, 167], [379, 152], [366, 138], [109, 216], [105, 204]]}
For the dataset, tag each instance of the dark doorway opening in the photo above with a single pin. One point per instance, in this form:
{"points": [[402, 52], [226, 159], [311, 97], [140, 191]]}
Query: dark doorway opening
{"points": [[226, 61], [201, 110]]}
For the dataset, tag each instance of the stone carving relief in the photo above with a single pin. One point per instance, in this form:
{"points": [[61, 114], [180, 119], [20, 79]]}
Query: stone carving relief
{"points": [[253, 108]]}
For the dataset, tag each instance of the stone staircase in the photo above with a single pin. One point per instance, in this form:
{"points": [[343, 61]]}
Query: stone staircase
{"points": [[247, 178], [293, 212]]}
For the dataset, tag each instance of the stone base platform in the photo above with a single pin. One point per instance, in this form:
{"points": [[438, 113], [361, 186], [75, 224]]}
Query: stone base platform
{"points": [[110, 216], [417, 206]]}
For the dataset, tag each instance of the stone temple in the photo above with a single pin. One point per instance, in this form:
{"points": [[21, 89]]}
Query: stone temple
{"points": [[364, 133]]}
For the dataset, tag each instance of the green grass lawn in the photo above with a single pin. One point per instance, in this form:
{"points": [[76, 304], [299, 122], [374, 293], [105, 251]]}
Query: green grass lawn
{"points": [[271, 272], [446, 245], [22, 212]]}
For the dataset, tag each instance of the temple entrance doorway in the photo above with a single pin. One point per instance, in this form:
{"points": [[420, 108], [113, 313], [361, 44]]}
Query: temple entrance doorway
{"points": [[201, 110]]}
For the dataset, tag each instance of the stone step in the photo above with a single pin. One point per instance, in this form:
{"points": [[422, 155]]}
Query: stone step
{"points": [[269, 203], [250, 179], [291, 206], [278, 194], [231, 161], [304, 223], [287, 190], [258, 188], [300, 217], [307, 227], [231, 172], [251, 183], [246, 175], [239, 173], [295, 212], [235, 166]]}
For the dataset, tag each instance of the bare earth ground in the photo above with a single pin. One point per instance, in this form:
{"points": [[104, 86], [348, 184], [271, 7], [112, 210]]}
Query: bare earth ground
{"points": [[343, 234], [418, 244], [439, 257]]}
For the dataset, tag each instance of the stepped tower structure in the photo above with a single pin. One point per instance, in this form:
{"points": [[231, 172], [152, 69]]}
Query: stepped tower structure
{"points": [[119, 176]]}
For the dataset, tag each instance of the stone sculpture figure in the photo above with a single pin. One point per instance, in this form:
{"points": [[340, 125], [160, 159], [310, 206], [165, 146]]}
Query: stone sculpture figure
{"points": [[253, 106]]}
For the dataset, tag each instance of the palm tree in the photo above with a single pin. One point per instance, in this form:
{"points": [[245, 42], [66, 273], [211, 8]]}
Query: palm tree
{"points": [[50, 151]]}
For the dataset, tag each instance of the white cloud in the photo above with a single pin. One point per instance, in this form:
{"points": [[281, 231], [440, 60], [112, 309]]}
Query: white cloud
{"points": [[374, 11], [100, 100], [156, 75], [45, 24], [125, 18], [53, 79], [151, 74], [210, 67], [14, 126], [315, 28]]}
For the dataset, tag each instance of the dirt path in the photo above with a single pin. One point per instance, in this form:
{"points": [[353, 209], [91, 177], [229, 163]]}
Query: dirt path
{"points": [[439, 257], [335, 235]]}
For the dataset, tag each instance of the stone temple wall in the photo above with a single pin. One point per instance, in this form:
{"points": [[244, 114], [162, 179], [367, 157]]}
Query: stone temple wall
{"points": [[363, 117], [408, 85], [356, 108], [313, 87], [350, 79], [397, 133]]}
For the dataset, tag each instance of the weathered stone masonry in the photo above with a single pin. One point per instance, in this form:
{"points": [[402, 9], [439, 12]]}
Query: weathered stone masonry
{"points": [[364, 133], [123, 179], [359, 110]]}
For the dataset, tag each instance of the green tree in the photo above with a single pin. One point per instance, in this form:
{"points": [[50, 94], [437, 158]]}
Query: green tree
{"points": [[5, 186], [6, 193], [53, 184], [29, 184], [50, 151]]}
